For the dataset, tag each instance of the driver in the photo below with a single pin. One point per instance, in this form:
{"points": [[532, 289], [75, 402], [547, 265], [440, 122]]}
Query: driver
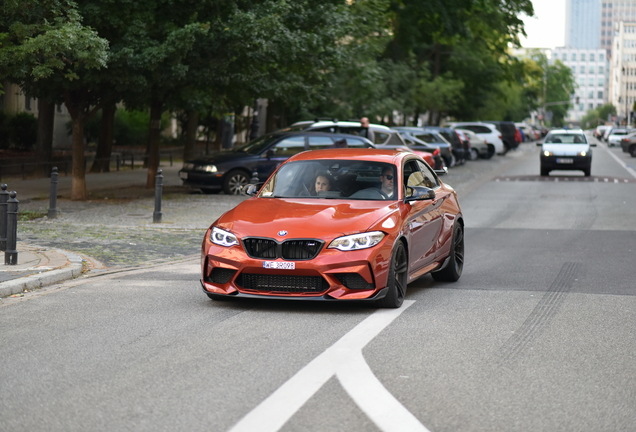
{"points": [[386, 178], [322, 183]]}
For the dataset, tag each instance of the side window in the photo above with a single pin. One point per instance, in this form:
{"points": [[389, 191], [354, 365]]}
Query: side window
{"points": [[380, 137], [353, 131], [320, 142], [418, 174], [430, 179], [356, 142], [289, 146]]}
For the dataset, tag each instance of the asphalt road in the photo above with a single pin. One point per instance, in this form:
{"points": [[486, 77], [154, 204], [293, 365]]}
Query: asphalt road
{"points": [[538, 334]]}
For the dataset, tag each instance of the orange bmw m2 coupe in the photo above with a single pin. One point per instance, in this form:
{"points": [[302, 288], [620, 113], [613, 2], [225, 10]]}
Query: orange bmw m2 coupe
{"points": [[337, 224]]}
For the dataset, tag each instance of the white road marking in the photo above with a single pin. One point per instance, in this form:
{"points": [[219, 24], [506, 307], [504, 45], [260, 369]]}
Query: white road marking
{"points": [[373, 398], [343, 359], [623, 164]]}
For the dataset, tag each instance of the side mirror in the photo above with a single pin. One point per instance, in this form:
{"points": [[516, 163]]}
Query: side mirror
{"points": [[592, 144], [441, 172], [269, 154], [539, 143], [419, 193]]}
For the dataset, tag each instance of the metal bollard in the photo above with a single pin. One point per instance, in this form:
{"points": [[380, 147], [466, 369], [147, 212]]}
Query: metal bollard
{"points": [[11, 254], [53, 199], [156, 216], [4, 196]]}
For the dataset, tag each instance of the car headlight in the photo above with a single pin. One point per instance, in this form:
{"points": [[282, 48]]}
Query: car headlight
{"points": [[583, 153], [207, 168], [222, 237], [547, 153], [357, 241]]}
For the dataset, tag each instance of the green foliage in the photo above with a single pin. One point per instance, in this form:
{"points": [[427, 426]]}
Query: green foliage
{"points": [[23, 130], [597, 116]]}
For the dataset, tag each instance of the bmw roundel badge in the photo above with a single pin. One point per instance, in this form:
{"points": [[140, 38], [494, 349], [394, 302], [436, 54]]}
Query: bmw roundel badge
{"points": [[282, 233]]}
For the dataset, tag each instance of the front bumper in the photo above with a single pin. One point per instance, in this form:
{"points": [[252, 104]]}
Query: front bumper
{"points": [[200, 180], [331, 275], [566, 162]]}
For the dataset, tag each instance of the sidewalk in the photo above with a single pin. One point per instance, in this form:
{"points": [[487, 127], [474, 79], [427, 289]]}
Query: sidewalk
{"points": [[40, 266]]}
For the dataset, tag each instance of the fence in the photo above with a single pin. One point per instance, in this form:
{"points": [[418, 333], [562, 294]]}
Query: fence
{"points": [[117, 161]]}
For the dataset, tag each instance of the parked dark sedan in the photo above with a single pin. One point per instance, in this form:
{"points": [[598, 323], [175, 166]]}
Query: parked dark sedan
{"points": [[230, 170]]}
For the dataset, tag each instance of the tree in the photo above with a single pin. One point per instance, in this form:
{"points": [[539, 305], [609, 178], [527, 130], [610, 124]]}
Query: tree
{"points": [[46, 49]]}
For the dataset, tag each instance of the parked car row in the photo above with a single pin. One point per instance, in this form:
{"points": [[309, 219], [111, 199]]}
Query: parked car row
{"points": [[441, 147]]}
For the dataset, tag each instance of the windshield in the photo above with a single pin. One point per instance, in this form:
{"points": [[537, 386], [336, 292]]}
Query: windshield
{"points": [[565, 139], [258, 145], [333, 179]]}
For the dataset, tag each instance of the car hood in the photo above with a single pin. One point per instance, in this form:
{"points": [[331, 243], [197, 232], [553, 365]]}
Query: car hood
{"points": [[305, 218], [565, 149]]}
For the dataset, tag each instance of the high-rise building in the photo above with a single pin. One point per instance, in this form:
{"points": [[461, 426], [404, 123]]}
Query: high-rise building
{"points": [[623, 77], [613, 12], [583, 24]]}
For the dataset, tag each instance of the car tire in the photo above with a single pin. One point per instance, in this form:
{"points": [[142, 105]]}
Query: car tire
{"points": [[490, 153], [398, 278], [455, 265], [474, 154], [545, 172], [632, 151], [587, 171], [234, 182]]}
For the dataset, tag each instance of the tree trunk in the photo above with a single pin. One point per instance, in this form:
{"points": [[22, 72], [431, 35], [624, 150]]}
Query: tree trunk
{"points": [[153, 142], [192, 127], [105, 142], [44, 143], [78, 183]]}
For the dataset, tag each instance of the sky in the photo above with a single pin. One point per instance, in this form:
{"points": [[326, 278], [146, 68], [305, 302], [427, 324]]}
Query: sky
{"points": [[547, 28]]}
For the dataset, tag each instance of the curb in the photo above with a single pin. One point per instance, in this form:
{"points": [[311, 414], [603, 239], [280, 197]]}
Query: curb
{"points": [[71, 270]]}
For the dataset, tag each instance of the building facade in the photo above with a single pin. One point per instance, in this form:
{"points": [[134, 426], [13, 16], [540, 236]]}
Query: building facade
{"points": [[590, 68], [623, 73]]}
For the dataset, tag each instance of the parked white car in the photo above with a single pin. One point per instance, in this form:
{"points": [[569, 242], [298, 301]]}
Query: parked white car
{"points": [[616, 135], [487, 131], [479, 147]]}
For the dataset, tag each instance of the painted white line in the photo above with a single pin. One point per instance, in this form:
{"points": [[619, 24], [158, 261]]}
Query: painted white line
{"points": [[620, 162], [271, 414], [374, 399]]}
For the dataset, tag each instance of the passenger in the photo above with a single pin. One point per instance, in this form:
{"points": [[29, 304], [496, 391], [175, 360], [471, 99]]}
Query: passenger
{"points": [[323, 183]]}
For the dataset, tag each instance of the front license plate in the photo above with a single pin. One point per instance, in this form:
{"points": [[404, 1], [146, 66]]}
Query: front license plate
{"points": [[565, 160], [183, 175], [279, 265]]}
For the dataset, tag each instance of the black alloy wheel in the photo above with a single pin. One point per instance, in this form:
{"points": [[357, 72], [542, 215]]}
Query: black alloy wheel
{"points": [[632, 150], [398, 278], [455, 266]]}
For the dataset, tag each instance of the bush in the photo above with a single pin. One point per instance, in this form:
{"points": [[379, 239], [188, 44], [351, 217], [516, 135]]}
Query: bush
{"points": [[23, 131]]}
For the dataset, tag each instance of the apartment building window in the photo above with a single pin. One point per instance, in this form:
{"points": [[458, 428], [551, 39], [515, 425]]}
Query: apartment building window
{"points": [[590, 95], [590, 106], [582, 69], [573, 57], [581, 107], [582, 56], [600, 95], [591, 82], [591, 56], [601, 70], [601, 82], [600, 55], [591, 69]]}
